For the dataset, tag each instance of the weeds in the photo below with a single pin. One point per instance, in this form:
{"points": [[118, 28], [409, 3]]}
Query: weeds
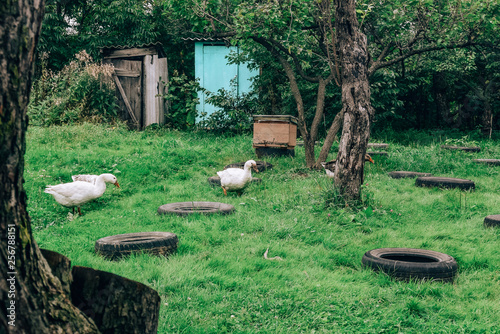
{"points": [[220, 282]]}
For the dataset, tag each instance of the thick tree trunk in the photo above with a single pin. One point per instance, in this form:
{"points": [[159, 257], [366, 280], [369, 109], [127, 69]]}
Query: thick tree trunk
{"points": [[357, 109], [32, 299]]}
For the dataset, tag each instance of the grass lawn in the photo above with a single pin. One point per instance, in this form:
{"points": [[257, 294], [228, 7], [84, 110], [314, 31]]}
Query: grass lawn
{"points": [[218, 281]]}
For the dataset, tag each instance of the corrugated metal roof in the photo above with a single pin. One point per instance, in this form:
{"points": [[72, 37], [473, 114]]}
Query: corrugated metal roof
{"points": [[131, 46], [203, 39], [157, 45]]}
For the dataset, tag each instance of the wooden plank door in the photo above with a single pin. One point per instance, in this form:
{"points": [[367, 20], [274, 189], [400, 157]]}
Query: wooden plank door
{"points": [[129, 73]]}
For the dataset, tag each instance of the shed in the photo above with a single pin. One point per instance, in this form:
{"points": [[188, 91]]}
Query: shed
{"points": [[214, 71], [141, 78]]}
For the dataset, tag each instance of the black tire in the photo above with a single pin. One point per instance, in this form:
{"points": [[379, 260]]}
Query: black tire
{"points": [[493, 162], [409, 263], [262, 152], [378, 145], [473, 149], [371, 153], [445, 182], [155, 243], [187, 208], [215, 180], [492, 221], [405, 174], [261, 165]]}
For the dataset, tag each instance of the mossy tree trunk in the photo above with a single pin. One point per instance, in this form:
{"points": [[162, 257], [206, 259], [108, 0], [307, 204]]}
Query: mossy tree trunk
{"points": [[357, 110], [32, 299]]}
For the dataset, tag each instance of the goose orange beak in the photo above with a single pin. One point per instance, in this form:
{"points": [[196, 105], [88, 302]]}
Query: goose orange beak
{"points": [[255, 169], [371, 160], [116, 184]]}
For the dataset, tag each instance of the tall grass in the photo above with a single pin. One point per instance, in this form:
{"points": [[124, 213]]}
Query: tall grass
{"points": [[218, 281]]}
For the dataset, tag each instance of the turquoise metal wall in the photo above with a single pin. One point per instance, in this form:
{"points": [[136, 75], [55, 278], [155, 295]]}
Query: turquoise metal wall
{"points": [[214, 73]]}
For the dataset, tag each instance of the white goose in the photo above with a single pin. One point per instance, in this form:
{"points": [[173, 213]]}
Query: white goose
{"points": [[74, 194], [85, 177], [236, 179]]}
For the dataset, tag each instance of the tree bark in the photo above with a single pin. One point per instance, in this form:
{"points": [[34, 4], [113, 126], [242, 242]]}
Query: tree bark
{"points": [[32, 299], [357, 109]]}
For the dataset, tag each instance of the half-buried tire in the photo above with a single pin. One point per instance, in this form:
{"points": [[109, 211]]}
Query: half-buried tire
{"points": [[405, 174], [187, 208], [155, 243], [474, 149], [492, 221], [445, 182], [214, 181], [409, 263], [261, 165], [492, 162]]}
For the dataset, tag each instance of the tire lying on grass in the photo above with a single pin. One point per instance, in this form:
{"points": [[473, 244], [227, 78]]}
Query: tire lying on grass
{"points": [[410, 263], [187, 208], [492, 221], [155, 243], [261, 165], [493, 162], [215, 180], [404, 174], [445, 182], [462, 148], [378, 145], [381, 153]]}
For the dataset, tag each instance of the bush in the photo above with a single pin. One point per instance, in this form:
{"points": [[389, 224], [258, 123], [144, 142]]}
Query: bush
{"points": [[82, 91], [234, 115], [182, 97]]}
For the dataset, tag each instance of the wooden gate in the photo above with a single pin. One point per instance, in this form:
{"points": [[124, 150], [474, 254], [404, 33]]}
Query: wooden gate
{"points": [[141, 77]]}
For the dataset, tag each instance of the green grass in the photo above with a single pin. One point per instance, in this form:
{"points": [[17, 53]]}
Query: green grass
{"points": [[218, 281]]}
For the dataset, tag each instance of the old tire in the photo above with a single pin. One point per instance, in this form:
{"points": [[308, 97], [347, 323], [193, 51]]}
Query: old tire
{"points": [[445, 182], [187, 208], [473, 149], [405, 174], [378, 145], [154, 243], [215, 180], [261, 165], [372, 153], [492, 221], [409, 263], [493, 162]]}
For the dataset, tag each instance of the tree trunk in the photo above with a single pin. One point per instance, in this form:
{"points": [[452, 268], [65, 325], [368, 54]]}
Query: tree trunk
{"points": [[330, 137], [32, 299], [357, 109]]}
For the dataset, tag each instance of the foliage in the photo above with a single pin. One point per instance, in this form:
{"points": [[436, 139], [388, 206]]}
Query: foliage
{"points": [[465, 141], [234, 114], [218, 280], [72, 26], [182, 98], [81, 91], [412, 41]]}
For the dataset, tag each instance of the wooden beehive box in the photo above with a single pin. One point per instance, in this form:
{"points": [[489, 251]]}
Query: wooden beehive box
{"points": [[278, 131]]}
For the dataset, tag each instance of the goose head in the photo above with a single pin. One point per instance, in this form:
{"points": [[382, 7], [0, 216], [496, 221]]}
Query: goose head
{"points": [[251, 164], [109, 178]]}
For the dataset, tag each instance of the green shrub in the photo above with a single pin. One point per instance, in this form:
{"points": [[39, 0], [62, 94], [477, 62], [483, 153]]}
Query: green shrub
{"points": [[234, 114], [82, 91], [182, 97]]}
